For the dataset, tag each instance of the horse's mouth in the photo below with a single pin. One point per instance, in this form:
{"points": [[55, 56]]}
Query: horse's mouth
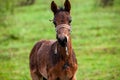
{"points": [[62, 41]]}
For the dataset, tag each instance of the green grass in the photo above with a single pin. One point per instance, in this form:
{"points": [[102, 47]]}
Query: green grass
{"points": [[95, 38]]}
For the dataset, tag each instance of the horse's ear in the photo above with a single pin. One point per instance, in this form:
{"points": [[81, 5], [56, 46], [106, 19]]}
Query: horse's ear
{"points": [[67, 5], [54, 7]]}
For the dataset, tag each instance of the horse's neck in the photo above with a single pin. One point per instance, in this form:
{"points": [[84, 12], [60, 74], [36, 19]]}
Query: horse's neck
{"points": [[65, 52]]}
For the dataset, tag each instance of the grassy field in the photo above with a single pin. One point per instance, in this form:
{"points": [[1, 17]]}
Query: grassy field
{"points": [[95, 38]]}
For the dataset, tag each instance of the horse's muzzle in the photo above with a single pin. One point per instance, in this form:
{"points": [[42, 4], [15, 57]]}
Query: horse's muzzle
{"points": [[62, 39]]}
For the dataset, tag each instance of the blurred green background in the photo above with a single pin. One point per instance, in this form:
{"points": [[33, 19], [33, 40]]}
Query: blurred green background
{"points": [[95, 36]]}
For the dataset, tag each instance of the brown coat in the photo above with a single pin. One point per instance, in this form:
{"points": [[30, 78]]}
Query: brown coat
{"points": [[45, 62]]}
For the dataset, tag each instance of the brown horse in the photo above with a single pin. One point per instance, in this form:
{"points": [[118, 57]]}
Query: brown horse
{"points": [[55, 60]]}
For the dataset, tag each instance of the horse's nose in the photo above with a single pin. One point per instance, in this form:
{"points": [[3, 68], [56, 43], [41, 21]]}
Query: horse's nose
{"points": [[62, 39]]}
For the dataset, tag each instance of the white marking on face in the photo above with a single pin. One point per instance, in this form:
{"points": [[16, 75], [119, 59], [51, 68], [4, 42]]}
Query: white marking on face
{"points": [[66, 50], [56, 50]]}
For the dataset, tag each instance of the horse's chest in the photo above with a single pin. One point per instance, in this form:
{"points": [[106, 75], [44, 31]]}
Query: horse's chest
{"points": [[62, 70]]}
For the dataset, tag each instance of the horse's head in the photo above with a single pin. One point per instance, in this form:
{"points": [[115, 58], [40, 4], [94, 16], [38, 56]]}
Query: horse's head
{"points": [[62, 20]]}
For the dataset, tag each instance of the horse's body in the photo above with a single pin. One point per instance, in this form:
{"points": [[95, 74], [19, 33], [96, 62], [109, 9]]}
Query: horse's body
{"points": [[47, 63], [54, 60]]}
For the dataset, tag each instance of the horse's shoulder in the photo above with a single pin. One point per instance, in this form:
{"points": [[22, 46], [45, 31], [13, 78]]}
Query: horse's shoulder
{"points": [[74, 56]]}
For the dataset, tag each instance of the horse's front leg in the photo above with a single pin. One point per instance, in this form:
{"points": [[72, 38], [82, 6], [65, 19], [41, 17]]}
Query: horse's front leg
{"points": [[51, 77], [35, 76], [73, 78]]}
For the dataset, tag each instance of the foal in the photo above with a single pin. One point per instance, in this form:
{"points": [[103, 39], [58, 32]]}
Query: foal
{"points": [[55, 60]]}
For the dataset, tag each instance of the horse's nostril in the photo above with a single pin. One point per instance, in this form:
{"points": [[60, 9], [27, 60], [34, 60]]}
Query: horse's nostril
{"points": [[62, 40], [65, 39]]}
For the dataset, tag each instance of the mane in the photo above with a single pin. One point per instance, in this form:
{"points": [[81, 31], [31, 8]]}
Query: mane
{"points": [[61, 9]]}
